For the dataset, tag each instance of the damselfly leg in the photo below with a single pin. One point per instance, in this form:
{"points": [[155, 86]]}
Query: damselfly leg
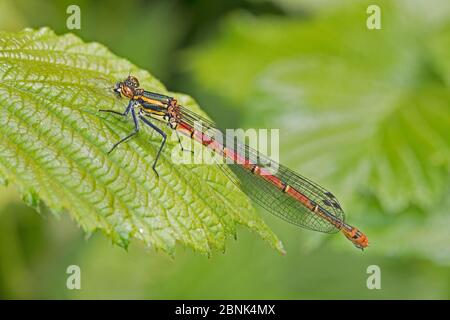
{"points": [[135, 131], [181, 144], [123, 114], [163, 135], [131, 108]]}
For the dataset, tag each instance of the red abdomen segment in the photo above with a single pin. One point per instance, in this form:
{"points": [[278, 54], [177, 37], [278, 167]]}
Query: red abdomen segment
{"points": [[358, 238]]}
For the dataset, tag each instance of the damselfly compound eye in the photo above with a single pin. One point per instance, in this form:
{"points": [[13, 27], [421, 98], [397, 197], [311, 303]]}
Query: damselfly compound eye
{"points": [[132, 82]]}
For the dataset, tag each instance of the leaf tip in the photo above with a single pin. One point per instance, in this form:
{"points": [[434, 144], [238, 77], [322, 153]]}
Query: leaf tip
{"points": [[31, 198]]}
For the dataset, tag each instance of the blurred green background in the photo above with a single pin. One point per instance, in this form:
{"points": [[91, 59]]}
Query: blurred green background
{"points": [[365, 113]]}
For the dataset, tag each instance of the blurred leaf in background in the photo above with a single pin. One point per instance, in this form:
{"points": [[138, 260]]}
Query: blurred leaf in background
{"points": [[130, 28], [365, 112], [10, 17]]}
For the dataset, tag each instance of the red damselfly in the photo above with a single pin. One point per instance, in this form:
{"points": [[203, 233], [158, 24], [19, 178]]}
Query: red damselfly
{"points": [[283, 192]]}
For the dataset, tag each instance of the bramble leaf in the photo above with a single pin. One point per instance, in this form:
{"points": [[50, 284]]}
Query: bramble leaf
{"points": [[54, 145]]}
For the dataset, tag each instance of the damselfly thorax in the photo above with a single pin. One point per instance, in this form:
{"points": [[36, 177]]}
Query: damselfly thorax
{"points": [[160, 107]]}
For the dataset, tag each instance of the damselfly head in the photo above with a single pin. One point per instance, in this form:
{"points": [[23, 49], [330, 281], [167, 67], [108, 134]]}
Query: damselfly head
{"points": [[126, 88]]}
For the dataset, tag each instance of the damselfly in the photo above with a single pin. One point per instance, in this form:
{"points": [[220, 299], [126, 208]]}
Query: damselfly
{"points": [[283, 193]]}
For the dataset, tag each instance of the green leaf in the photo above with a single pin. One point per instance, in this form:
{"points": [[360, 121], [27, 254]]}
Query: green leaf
{"points": [[54, 147], [425, 237], [363, 112]]}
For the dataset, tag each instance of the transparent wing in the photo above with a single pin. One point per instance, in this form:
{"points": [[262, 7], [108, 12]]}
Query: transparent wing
{"points": [[267, 195]]}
